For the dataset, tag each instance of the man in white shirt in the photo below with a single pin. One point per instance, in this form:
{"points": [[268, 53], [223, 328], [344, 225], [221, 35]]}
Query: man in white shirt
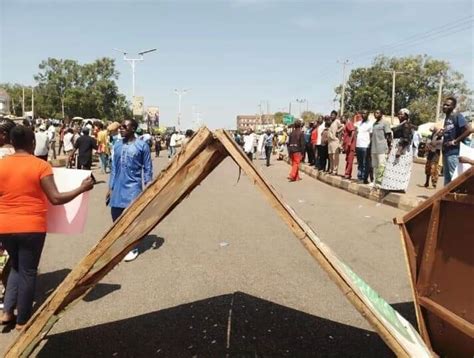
{"points": [[249, 142], [42, 143], [173, 142], [364, 128], [52, 138], [68, 145]]}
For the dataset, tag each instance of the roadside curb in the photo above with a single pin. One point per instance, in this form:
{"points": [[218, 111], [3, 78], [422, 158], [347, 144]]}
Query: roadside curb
{"points": [[397, 200], [60, 162]]}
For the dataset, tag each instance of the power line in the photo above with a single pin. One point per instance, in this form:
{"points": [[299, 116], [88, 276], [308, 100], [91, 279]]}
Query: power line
{"points": [[451, 25]]}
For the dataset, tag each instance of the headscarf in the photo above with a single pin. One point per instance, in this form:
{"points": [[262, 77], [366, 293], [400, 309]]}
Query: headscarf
{"points": [[405, 111]]}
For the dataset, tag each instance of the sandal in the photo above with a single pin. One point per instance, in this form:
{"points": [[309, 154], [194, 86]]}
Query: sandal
{"points": [[7, 322]]}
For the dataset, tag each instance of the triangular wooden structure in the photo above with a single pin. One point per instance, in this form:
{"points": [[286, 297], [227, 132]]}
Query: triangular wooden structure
{"points": [[438, 238], [201, 155]]}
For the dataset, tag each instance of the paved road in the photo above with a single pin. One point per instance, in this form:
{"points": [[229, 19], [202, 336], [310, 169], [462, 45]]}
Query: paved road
{"points": [[224, 248]]}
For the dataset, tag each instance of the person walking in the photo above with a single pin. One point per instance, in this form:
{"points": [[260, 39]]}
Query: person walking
{"points": [[103, 146], [84, 145], [433, 147], [268, 144], [380, 142], [27, 185], [52, 138], [42, 143], [157, 141], [131, 170], [455, 130], [364, 128], [249, 141], [296, 149], [62, 132]]}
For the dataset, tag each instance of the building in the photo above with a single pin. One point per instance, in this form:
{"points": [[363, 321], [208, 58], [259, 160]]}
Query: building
{"points": [[4, 102], [254, 121]]}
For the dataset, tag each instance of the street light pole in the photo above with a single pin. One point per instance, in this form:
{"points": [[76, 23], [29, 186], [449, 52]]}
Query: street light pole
{"points": [[394, 76], [300, 102], [132, 62], [344, 64], [180, 94], [440, 95]]}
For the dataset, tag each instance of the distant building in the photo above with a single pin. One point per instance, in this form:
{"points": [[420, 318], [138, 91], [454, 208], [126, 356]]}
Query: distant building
{"points": [[245, 122], [4, 102]]}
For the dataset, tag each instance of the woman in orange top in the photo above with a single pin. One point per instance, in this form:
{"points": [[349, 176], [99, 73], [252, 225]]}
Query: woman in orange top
{"points": [[26, 183]]}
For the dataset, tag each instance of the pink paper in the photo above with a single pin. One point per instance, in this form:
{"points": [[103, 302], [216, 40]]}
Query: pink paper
{"points": [[69, 218]]}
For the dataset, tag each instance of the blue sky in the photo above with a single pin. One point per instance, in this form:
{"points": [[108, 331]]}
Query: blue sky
{"points": [[233, 54]]}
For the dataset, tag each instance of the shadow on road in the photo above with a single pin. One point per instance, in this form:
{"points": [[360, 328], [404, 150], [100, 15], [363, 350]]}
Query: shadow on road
{"points": [[237, 325], [150, 242]]}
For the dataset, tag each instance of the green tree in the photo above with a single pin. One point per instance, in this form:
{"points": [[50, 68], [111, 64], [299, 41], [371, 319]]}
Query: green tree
{"points": [[68, 89], [279, 117], [309, 116], [416, 88]]}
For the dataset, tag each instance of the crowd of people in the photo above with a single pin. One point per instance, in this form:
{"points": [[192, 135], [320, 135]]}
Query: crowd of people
{"points": [[27, 178], [384, 157], [384, 154]]}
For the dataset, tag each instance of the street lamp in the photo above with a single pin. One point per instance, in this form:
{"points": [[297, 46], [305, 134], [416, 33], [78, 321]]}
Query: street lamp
{"points": [[132, 62], [300, 101], [180, 94]]}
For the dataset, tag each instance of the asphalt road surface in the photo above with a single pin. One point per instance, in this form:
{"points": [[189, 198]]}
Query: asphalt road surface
{"points": [[222, 275]]}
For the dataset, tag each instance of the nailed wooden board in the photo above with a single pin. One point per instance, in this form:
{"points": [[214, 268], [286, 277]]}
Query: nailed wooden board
{"points": [[191, 166], [183, 174], [337, 271]]}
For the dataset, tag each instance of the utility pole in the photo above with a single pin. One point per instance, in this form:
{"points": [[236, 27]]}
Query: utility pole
{"points": [[32, 102], [132, 62], [344, 64], [300, 101], [394, 76], [180, 94], [23, 103], [440, 95]]}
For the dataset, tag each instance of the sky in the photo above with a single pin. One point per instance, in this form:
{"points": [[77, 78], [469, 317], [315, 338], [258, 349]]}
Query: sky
{"points": [[233, 55]]}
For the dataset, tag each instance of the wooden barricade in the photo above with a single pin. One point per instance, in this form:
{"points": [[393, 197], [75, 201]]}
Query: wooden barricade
{"points": [[201, 155], [438, 238]]}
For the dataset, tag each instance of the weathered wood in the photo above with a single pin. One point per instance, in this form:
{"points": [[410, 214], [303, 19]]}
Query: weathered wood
{"points": [[410, 261], [309, 240], [437, 196], [445, 314], [186, 171], [459, 198], [429, 251]]}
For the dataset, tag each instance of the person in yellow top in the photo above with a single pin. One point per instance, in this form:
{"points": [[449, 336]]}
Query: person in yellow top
{"points": [[103, 147]]}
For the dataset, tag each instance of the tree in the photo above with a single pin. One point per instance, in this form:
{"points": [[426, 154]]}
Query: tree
{"points": [[67, 89], [279, 117], [416, 88], [309, 116]]}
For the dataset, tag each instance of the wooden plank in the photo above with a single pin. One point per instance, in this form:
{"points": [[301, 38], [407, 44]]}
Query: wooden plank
{"points": [[429, 250], [410, 261], [310, 241], [187, 170], [445, 314], [437, 196], [459, 198]]}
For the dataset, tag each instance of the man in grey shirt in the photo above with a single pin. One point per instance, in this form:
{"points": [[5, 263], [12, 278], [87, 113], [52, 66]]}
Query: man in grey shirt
{"points": [[42, 143], [380, 141]]}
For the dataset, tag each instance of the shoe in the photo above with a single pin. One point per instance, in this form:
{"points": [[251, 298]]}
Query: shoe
{"points": [[132, 255]]}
